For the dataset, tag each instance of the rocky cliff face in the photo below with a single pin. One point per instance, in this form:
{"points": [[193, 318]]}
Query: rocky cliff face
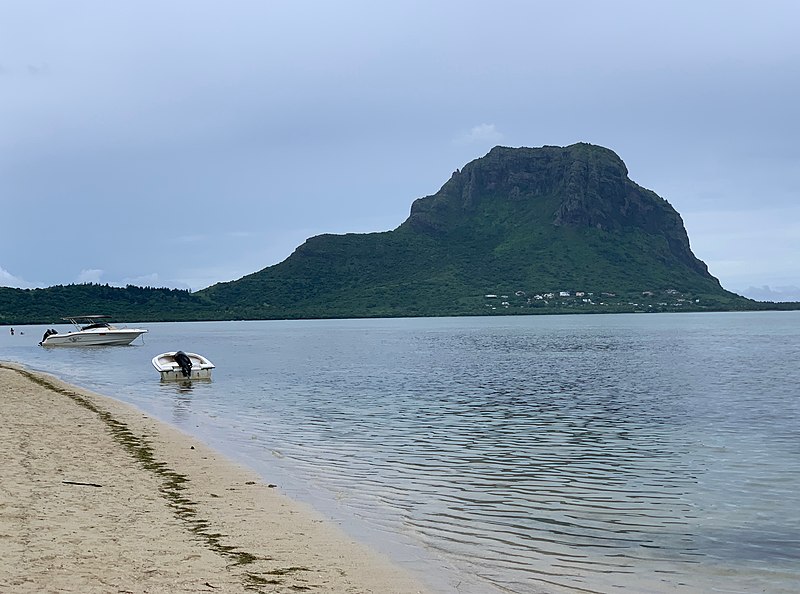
{"points": [[583, 186]]}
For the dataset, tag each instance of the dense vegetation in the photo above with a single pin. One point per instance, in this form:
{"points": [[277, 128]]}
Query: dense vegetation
{"points": [[548, 230], [47, 306]]}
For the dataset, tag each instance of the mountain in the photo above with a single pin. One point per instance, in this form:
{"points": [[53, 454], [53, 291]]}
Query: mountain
{"points": [[520, 230], [542, 229]]}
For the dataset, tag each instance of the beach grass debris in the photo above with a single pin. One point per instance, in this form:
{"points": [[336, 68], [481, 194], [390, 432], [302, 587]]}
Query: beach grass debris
{"points": [[82, 484], [172, 485]]}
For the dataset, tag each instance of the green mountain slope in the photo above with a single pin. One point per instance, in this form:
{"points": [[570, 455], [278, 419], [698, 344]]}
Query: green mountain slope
{"points": [[521, 222]]}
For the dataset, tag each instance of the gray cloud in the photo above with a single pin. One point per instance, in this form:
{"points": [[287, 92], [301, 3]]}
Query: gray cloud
{"points": [[481, 134], [90, 276], [775, 294], [9, 280], [255, 125]]}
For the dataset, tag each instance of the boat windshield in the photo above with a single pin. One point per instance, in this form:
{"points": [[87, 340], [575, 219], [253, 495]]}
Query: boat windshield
{"points": [[95, 325]]}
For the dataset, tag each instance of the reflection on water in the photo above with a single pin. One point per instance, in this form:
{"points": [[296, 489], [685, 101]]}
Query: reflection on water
{"points": [[179, 392], [595, 453]]}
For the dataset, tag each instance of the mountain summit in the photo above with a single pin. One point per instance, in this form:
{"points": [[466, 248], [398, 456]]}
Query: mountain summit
{"points": [[523, 224], [579, 187]]}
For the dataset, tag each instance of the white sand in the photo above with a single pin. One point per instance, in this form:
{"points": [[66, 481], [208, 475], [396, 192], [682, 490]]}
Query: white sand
{"points": [[97, 497]]}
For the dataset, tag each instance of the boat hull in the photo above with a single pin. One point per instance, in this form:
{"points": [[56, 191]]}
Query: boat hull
{"points": [[107, 338], [172, 375], [170, 370]]}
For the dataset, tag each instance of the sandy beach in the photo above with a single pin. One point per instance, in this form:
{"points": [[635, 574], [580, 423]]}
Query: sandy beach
{"points": [[97, 497]]}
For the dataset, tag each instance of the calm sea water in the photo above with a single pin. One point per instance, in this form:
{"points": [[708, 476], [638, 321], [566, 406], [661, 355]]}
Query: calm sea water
{"points": [[602, 453]]}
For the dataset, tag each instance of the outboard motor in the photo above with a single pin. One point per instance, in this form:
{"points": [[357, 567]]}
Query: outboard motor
{"points": [[185, 362]]}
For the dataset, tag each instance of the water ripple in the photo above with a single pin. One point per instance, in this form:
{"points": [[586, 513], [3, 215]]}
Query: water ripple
{"points": [[597, 454]]}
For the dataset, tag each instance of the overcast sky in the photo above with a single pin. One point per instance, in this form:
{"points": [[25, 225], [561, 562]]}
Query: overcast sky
{"points": [[183, 143]]}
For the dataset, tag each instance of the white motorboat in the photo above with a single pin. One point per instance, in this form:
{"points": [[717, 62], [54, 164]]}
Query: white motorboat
{"points": [[177, 365], [91, 331]]}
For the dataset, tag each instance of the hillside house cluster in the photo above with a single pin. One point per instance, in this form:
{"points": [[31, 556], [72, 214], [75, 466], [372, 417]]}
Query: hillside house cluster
{"points": [[669, 299]]}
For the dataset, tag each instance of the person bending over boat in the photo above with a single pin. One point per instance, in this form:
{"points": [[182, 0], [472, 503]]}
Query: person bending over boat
{"points": [[46, 334], [185, 362]]}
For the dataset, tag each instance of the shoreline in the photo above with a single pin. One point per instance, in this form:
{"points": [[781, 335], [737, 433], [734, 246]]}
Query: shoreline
{"points": [[96, 496]]}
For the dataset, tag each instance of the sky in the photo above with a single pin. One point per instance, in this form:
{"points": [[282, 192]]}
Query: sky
{"points": [[184, 143]]}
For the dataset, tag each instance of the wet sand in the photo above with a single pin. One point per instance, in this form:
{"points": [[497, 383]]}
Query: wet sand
{"points": [[95, 496]]}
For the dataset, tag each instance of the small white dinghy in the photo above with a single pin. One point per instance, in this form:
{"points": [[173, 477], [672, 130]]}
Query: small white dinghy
{"points": [[178, 365]]}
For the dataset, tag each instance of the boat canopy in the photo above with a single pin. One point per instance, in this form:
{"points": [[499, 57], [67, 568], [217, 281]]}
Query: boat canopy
{"points": [[90, 321], [90, 317]]}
